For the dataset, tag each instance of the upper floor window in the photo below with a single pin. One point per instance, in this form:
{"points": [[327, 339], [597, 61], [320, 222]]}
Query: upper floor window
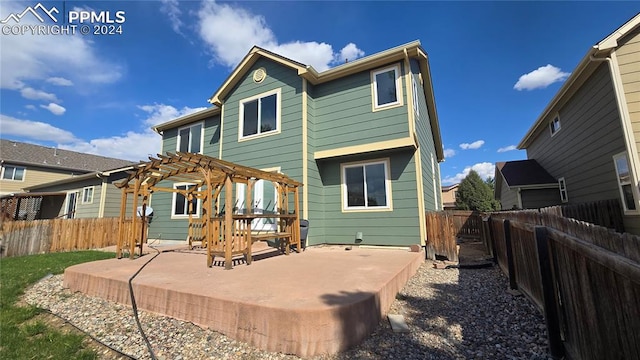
{"points": [[182, 205], [190, 138], [387, 91], [10, 172], [624, 182], [564, 195], [554, 125], [260, 115], [87, 195], [366, 185]]}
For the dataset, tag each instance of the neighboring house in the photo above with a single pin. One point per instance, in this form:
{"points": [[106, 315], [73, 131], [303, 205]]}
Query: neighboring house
{"points": [[362, 137], [91, 195], [24, 167], [589, 135], [449, 196], [524, 184]]}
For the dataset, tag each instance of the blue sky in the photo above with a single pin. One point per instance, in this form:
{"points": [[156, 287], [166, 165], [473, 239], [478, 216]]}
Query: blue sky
{"points": [[495, 65]]}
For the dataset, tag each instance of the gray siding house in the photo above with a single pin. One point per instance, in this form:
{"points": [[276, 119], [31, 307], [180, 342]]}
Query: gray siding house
{"points": [[362, 137], [589, 134], [91, 195], [524, 184]]}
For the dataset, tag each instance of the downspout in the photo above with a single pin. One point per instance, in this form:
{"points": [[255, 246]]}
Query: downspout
{"points": [[627, 128]]}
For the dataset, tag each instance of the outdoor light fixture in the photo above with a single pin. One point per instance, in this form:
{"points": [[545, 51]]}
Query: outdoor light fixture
{"points": [[359, 236]]}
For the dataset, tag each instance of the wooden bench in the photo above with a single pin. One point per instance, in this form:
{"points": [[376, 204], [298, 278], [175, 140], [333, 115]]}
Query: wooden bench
{"points": [[284, 245]]}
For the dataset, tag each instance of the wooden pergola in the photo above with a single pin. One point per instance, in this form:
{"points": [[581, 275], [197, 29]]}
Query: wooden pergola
{"points": [[222, 230]]}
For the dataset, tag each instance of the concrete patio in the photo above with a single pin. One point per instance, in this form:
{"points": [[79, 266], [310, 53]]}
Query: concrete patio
{"points": [[320, 301]]}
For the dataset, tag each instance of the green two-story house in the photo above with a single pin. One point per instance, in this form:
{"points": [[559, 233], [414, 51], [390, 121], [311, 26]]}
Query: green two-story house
{"points": [[362, 137]]}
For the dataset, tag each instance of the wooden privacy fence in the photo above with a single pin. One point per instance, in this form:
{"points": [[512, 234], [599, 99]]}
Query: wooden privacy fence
{"points": [[584, 278], [607, 213], [445, 227], [58, 235]]}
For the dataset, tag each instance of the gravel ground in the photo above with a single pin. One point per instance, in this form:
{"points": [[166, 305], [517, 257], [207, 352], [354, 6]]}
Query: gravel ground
{"points": [[451, 313]]}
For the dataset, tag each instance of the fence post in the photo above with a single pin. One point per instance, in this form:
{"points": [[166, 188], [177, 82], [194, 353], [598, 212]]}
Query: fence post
{"points": [[488, 232], [556, 348], [509, 250]]}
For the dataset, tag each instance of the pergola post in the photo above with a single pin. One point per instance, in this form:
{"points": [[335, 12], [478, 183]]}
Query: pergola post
{"points": [[296, 222], [228, 222], [134, 224], [123, 215]]}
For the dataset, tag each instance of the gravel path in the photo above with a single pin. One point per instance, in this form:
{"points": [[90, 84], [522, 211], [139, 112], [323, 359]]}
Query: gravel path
{"points": [[452, 314]]}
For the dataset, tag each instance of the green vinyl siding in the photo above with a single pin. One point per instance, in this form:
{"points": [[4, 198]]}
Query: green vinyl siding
{"points": [[430, 182], [113, 196], [211, 137], [345, 116], [162, 226], [314, 188], [397, 227], [582, 150], [283, 149]]}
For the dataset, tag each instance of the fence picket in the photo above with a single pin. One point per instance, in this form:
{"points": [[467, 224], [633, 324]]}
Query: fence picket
{"points": [[57, 235]]}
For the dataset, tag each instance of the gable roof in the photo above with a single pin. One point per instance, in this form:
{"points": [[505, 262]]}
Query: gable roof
{"points": [[36, 155], [580, 74], [412, 49], [187, 119], [525, 173]]}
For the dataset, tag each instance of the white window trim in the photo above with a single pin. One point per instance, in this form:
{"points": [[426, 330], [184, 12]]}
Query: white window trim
{"points": [[633, 188], [93, 190], [173, 203], [178, 138], [374, 88], [343, 185], [562, 186], [24, 173], [553, 133], [278, 93], [416, 104]]}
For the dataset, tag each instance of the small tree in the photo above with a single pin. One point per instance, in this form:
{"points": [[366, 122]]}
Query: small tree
{"points": [[475, 194]]}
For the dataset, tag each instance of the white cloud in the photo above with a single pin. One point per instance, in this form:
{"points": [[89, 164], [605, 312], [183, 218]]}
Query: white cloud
{"points": [[34, 130], [30, 107], [54, 108], [172, 10], [350, 53], [40, 57], [540, 78], [484, 169], [130, 146], [507, 148], [134, 145], [474, 145], [59, 81], [249, 29], [33, 94], [449, 153], [159, 113]]}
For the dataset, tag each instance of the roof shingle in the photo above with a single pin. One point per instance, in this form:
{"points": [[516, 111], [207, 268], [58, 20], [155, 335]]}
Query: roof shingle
{"points": [[37, 155]]}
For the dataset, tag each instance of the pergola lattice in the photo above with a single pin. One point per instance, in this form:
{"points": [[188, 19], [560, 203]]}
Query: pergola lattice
{"points": [[224, 231]]}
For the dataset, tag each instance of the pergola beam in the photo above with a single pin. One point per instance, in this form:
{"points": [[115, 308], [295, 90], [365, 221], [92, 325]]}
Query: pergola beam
{"points": [[226, 236]]}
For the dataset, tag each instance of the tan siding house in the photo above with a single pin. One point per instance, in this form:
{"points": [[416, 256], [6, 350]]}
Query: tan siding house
{"points": [[588, 136], [48, 174]]}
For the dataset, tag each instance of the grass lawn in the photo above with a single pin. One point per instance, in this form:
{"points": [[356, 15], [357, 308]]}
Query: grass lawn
{"points": [[22, 334]]}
